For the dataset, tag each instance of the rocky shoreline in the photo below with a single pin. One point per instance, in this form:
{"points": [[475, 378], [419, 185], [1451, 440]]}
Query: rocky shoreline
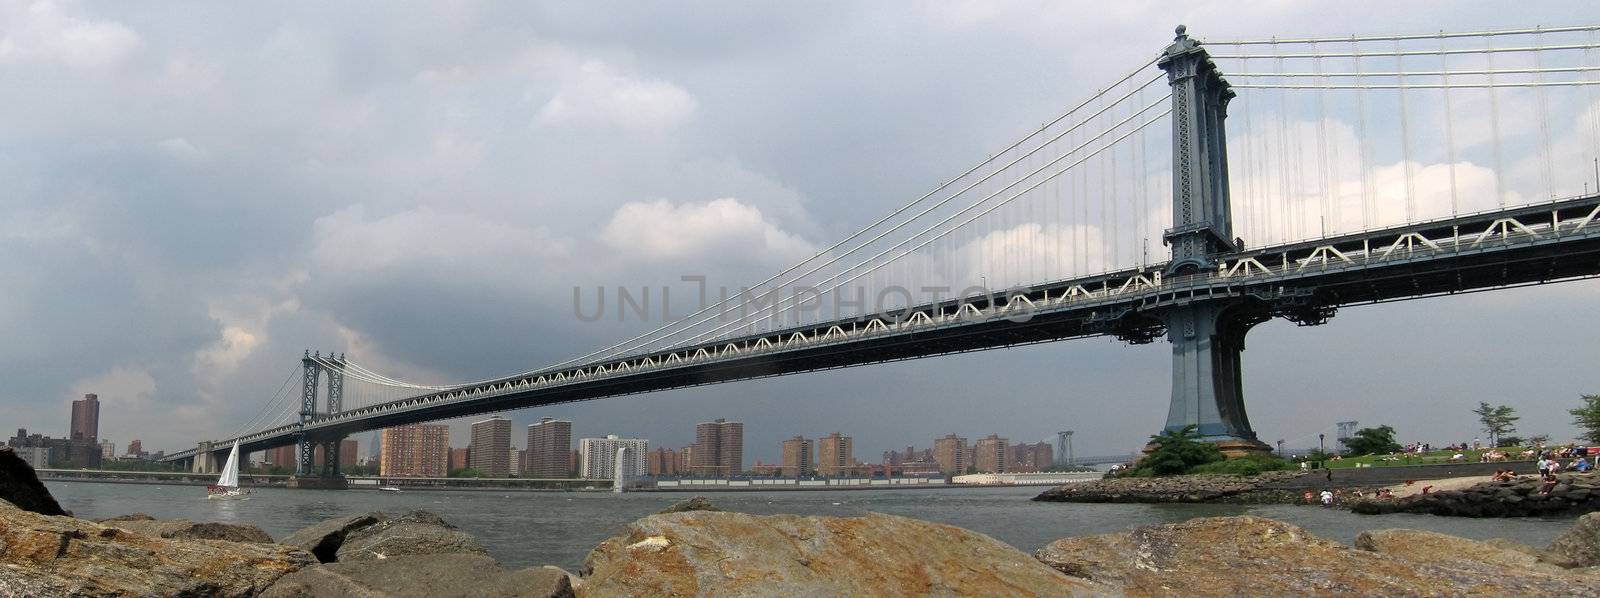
{"points": [[1266, 488], [694, 549], [1524, 496]]}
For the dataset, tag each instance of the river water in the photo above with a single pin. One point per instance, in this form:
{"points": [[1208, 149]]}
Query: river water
{"points": [[559, 528]]}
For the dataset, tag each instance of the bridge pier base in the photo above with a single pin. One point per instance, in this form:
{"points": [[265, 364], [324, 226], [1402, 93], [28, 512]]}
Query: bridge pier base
{"points": [[1207, 383]]}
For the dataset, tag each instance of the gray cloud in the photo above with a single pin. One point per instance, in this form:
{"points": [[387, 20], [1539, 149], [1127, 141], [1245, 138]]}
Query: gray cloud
{"points": [[192, 196]]}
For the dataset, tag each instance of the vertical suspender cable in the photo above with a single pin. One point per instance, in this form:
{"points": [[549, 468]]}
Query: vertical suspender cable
{"points": [[1251, 185], [1141, 207], [1285, 198], [1405, 135], [1083, 221], [1365, 148], [1449, 127], [1544, 119], [1323, 176], [1594, 112], [1105, 230], [1494, 127], [1116, 247]]}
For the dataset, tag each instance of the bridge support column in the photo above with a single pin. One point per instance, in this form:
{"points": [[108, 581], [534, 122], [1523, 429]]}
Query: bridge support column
{"points": [[1207, 383], [204, 461], [1207, 335]]}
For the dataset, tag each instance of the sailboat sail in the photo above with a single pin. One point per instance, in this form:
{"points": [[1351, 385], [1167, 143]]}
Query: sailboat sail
{"points": [[230, 472]]}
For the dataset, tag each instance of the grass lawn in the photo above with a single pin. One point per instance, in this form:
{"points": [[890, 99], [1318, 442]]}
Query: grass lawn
{"points": [[1432, 458]]}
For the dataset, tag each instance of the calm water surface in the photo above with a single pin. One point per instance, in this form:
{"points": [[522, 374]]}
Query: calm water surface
{"points": [[559, 528]]}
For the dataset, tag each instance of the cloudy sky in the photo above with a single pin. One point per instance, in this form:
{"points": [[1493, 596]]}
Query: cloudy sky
{"points": [[192, 195]]}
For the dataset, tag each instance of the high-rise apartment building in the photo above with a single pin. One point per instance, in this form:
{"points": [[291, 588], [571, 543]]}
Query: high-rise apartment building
{"points": [[491, 447], [834, 457], [108, 449], [1030, 457], [685, 463], [421, 450], [347, 454], [597, 457], [136, 449], [281, 457], [517, 457], [719, 448], [990, 455], [797, 457], [663, 461], [458, 458], [86, 418], [549, 449], [950, 453]]}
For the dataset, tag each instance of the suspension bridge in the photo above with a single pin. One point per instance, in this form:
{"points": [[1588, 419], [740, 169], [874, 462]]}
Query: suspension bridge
{"points": [[1274, 178]]}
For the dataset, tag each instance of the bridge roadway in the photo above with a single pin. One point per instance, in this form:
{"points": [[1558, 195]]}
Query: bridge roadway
{"points": [[1304, 282]]}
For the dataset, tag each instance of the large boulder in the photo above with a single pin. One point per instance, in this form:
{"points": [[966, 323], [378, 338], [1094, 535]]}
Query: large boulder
{"points": [[61, 556], [1578, 546], [20, 486], [437, 575], [1251, 556], [1434, 547], [706, 553], [693, 503], [417, 532], [185, 529], [324, 539]]}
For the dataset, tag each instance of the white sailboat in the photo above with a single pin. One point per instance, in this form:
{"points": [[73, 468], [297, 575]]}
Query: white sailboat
{"points": [[227, 486]]}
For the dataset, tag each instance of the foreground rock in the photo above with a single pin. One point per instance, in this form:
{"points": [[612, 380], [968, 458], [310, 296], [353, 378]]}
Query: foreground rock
{"points": [[21, 487], [1578, 546], [432, 575], [1251, 556], [1434, 547], [1184, 489], [417, 532], [1521, 497], [184, 529], [324, 539], [42, 555], [702, 553]]}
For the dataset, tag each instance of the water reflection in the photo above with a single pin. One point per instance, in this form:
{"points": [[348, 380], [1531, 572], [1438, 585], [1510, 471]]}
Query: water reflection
{"points": [[560, 528]]}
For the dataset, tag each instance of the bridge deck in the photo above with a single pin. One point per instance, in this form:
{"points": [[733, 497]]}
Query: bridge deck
{"points": [[1303, 281]]}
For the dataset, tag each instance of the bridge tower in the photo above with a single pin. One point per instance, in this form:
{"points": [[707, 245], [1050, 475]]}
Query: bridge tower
{"points": [[1207, 335], [312, 369]]}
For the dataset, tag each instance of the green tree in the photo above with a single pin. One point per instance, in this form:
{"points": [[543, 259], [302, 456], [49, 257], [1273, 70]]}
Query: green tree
{"points": [[1496, 420], [1372, 441], [465, 472], [1178, 450], [1587, 418]]}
